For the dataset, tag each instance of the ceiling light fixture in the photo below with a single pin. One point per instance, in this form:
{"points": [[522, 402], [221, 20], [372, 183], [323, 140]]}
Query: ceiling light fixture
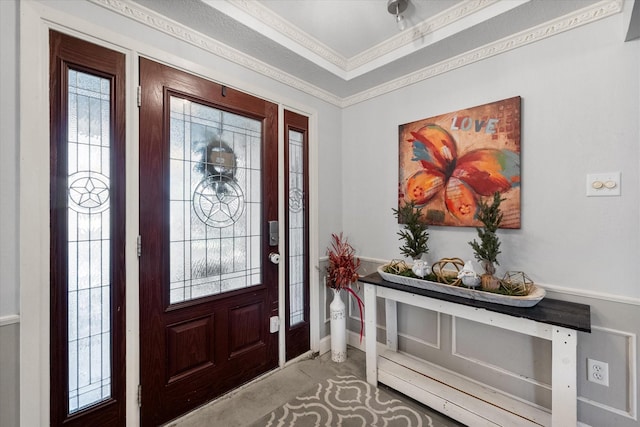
{"points": [[396, 7]]}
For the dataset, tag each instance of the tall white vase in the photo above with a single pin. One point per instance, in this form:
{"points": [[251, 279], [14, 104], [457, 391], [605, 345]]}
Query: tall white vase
{"points": [[338, 328]]}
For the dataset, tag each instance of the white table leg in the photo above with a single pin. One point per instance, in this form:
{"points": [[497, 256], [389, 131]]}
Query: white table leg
{"points": [[391, 317], [564, 405], [370, 331]]}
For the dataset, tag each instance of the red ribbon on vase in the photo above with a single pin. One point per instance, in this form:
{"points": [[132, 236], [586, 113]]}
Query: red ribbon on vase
{"points": [[360, 307]]}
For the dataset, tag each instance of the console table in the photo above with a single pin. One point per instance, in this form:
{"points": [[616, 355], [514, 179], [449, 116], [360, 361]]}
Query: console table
{"points": [[468, 402]]}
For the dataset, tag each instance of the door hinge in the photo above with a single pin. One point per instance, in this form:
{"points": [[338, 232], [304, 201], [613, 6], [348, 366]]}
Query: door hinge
{"points": [[139, 395], [139, 246], [139, 95]]}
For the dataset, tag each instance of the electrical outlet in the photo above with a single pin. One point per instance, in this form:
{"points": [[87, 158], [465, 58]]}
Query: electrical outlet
{"points": [[598, 372]]}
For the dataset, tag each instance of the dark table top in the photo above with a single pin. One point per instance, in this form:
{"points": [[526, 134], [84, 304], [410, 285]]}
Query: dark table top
{"points": [[554, 312]]}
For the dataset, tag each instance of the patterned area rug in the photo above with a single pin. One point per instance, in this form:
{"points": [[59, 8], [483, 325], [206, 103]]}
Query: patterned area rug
{"points": [[346, 401]]}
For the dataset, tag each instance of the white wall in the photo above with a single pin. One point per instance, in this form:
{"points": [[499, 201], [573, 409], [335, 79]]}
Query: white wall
{"points": [[580, 114], [580, 109], [9, 291], [9, 159]]}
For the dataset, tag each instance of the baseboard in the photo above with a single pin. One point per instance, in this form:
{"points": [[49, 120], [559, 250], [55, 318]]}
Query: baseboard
{"points": [[353, 340], [325, 344]]}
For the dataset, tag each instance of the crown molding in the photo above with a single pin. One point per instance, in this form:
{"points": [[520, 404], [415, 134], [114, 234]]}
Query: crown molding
{"points": [[418, 32], [296, 35], [349, 68], [172, 28], [293, 33], [567, 22]]}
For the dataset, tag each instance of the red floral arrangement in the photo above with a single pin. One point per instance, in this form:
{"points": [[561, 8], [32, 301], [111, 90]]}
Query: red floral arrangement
{"points": [[342, 270], [343, 263]]}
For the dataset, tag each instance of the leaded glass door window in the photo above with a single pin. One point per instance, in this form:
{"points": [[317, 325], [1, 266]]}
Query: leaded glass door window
{"points": [[89, 241], [215, 181], [297, 248]]}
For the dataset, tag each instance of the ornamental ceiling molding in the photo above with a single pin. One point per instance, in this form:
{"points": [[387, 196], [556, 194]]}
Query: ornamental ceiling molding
{"points": [[418, 32], [296, 35], [271, 19], [565, 23], [161, 23]]}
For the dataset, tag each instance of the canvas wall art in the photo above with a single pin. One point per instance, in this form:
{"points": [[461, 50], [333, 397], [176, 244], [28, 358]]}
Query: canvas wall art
{"points": [[451, 162]]}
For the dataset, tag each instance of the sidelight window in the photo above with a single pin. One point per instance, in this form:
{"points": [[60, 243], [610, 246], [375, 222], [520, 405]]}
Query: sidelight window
{"points": [[297, 242], [89, 215]]}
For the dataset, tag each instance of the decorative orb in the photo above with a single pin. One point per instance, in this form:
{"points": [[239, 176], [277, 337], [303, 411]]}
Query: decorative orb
{"points": [[517, 282], [446, 270], [396, 266]]}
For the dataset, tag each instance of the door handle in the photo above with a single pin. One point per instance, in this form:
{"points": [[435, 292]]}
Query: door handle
{"points": [[274, 257]]}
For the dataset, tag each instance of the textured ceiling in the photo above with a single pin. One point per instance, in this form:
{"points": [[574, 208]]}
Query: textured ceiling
{"points": [[346, 48]]}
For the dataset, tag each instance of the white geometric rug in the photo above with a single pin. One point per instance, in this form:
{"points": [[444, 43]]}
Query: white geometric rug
{"points": [[346, 401]]}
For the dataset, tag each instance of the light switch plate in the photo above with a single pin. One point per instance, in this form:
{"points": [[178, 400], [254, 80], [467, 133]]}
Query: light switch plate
{"points": [[603, 184]]}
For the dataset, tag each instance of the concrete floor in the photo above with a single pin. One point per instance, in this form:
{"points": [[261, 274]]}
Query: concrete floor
{"points": [[244, 406]]}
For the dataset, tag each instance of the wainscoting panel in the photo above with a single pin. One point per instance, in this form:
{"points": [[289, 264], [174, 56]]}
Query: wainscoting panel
{"points": [[618, 350], [520, 365], [9, 371], [514, 363]]}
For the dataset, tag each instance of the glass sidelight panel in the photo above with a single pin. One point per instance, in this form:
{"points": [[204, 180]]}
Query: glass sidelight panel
{"points": [[296, 228], [214, 201], [89, 243]]}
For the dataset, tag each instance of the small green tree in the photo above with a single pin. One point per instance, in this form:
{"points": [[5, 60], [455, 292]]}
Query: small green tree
{"points": [[487, 251], [414, 232]]}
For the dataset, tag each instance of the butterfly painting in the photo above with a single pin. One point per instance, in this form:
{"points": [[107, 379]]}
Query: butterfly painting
{"points": [[449, 163]]}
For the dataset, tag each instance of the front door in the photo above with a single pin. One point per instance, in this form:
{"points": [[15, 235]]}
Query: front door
{"points": [[208, 190]]}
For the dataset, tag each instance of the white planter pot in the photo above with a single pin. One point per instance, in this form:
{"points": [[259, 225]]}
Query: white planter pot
{"points": [[338, 328]]}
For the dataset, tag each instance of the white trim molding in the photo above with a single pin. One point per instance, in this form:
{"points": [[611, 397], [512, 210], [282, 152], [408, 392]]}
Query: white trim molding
{"points": [[160, 23], [576, 19], [568, 22], [632, 376], [591, 294], [487, 365], [461, 15], [11, 319]]}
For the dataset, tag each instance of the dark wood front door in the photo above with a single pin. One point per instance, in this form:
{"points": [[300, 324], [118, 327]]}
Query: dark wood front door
{"points": [[208, 189]]}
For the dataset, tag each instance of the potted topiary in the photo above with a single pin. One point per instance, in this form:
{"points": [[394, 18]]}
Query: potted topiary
{"points": [[414, 233], [415, 236], [487, 251]]}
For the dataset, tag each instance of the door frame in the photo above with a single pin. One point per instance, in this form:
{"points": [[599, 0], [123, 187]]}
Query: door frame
{"points": [[36, 19]]}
